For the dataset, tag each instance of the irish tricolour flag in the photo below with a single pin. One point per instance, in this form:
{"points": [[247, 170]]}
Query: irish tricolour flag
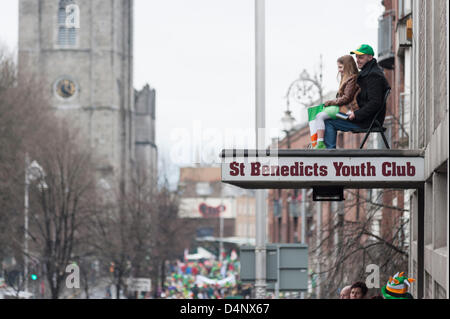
{"points": [[312, 113]]}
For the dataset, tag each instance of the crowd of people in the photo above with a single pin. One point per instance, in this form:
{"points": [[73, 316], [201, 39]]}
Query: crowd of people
{"points": [[396, 288], [205, 279], [213, 279]]}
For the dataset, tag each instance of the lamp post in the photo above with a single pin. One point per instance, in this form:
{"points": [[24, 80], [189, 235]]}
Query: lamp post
{"points": [[306, 89], [288, 124], [33, 172]]}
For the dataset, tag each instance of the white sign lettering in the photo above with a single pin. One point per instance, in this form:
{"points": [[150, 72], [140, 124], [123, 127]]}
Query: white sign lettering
{"points": [[139, 284]]}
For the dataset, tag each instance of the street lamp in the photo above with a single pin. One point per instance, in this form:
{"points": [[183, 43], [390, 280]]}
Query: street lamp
{"points": [[306, 89], [288, 124], [33, 172]]}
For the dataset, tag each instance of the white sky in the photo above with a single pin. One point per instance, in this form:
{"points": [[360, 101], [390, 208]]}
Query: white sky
{"points": [[199, 56]]}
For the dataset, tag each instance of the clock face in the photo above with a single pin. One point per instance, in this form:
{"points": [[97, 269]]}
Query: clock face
{"points": [[66, 88]]}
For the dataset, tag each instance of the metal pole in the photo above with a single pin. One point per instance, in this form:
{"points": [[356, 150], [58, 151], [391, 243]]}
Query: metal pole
{"points": [[221, 236], [247, 217], [420, 242], [319, 237], [260, 249], [303, 208], [303, 236], [25, 250], [277, 287]]}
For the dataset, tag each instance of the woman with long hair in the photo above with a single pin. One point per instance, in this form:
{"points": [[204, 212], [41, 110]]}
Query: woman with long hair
{"points": [[345, 99]]}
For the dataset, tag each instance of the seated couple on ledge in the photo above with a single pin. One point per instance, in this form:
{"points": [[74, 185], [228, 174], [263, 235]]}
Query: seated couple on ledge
{"points": [[360, 96]]}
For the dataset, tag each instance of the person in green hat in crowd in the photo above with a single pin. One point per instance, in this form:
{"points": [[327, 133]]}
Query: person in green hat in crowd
{"points": [[373, 84], [397, 287]]}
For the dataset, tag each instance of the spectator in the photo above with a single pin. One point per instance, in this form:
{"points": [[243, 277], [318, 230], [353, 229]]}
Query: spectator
{"points": [[373, 86], [358, 290], [345, 292], [345, 101], [397, 287]]}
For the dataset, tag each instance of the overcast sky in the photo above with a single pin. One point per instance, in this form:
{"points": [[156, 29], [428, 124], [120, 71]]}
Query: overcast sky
{"points": [[199, 56]]}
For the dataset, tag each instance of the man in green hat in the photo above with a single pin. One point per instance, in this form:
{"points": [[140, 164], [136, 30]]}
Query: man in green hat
{"points": [[364, 54], [373, 86]]}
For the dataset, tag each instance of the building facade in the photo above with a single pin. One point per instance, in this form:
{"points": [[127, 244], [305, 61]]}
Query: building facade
{"points": [[214, 212], [82, 53], [429, 131], [413, 50], [245, 217], [207, 211]]}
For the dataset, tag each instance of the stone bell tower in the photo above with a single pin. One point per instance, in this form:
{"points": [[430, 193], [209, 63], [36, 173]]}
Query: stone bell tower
{"points": [[82, 51]]}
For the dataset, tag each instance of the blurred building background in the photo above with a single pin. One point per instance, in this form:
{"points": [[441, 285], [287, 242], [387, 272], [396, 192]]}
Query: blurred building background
{"points": [[217, 214]]}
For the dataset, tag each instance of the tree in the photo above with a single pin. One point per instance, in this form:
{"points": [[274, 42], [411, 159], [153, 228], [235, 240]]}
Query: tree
{"points": [[24, 118], [28, 126], [61, 209], [138, 240], [167, 234], [122, 231], [360, 242]]}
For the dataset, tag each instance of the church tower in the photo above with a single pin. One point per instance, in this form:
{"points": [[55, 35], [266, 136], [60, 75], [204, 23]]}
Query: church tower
{"points": [[81, 50]]}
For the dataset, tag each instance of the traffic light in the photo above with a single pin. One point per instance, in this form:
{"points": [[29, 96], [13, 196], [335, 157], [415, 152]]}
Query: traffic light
{"points": [[34, 277], [111, 267]]}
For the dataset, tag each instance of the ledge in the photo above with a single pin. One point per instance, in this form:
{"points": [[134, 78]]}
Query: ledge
{"points": [[320, 153]]}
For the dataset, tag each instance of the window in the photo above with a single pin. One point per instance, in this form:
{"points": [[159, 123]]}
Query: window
{"points": [[440, 209], [401, 8], [404, 119], [67, 36], [277, 208], [404, 8], [203, 189], [376, 225], [428, 286], [406, 218], [439, 291], [386, 56]]}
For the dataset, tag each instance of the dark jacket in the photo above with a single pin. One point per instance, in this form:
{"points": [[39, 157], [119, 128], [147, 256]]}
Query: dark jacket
{"points": [[373, 86], [346, 97]]}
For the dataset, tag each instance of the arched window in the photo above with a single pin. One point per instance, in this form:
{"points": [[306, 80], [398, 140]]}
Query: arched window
{"points": [[68, 23]]}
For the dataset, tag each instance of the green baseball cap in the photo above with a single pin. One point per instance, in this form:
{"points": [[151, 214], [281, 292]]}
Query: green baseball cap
{"points": [[363, 49]]}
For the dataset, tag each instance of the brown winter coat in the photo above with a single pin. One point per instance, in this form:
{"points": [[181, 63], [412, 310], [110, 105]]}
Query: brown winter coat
{"points": [[346, 97]]}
